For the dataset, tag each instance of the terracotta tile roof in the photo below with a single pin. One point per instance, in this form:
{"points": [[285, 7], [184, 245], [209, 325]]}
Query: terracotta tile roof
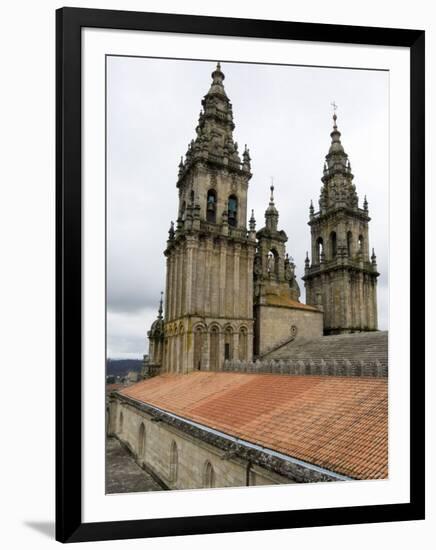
{"points": [[338, 423]]}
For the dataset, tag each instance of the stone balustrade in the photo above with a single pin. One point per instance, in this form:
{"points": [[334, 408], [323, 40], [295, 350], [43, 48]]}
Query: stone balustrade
{"points": [[330, 367]]}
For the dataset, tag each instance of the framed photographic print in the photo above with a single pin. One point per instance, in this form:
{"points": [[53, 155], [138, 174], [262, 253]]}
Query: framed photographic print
{"points": [[240, 330]]}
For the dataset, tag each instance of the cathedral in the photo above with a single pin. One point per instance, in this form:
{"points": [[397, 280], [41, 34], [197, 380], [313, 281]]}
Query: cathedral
{"points": [[244, 384], [231, 292]]}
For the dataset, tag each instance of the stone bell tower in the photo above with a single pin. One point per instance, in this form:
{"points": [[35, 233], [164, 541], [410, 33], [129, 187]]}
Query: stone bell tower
{"points": [[279, 314], [274, 271], [341, 276], [209, 283]]}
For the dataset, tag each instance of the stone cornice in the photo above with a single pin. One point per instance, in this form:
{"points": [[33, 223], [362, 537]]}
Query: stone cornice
{"points": [[319, 217]]}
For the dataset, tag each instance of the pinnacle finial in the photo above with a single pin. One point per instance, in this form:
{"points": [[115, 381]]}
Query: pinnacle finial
{"points": [[252, 222], [160, 305], [335, 108], [218, 75], [365, 204], [311, 209], [271, 200]]}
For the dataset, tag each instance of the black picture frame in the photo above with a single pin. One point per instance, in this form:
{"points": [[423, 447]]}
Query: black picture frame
{"points": [[69, 525]]}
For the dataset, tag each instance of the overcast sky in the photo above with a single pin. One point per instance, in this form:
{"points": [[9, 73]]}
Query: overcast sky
{"points": [[282, 113]]}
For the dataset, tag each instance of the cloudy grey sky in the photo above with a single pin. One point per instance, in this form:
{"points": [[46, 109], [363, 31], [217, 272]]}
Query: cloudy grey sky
{"points": [[283, 114]]}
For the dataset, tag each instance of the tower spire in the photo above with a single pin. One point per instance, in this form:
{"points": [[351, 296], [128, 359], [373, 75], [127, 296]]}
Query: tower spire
{"points": [[217, 81], [338, 189]]}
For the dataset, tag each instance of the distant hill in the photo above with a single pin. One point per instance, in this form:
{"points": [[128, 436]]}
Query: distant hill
{"points": [[120, 367]]}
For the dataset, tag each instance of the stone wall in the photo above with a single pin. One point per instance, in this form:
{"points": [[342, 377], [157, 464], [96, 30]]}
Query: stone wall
{"points": [[182, 460], [276, 325]]}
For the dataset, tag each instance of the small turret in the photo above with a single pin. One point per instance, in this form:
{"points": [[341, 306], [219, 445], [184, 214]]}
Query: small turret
{"points": [[307, 261], [271, 213], [252, 222], [181, 167], [252, 227]]}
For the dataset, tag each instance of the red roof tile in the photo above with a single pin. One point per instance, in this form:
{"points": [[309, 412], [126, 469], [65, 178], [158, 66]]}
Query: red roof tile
{"points": [[338, 423]]}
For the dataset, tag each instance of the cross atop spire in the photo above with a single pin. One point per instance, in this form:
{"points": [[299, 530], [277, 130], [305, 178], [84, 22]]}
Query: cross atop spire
{"points": [[271, 199]]}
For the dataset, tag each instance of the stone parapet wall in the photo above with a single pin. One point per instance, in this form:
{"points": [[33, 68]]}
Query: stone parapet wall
{"points": [[331, 367], [234, 464]]}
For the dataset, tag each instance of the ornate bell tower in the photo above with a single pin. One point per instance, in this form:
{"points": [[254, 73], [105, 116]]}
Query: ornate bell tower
{"points": [[341, 277], [209, 283]]}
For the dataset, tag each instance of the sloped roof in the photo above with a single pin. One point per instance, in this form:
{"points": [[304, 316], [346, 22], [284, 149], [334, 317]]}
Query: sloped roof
{"points": [[364, 346], [338, 423], [284, 301]]}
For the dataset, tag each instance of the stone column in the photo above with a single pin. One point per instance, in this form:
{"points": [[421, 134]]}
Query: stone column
{"points": [[190, 244], [173, 283], [236, 302], [235, 354], [362, 302], [220, 361], [208, 305], [205, 352], [345, 293], [374, 302], [222, 281], [250, 343], [167, 286], [189, 353], [169, 299], [176, 284]]}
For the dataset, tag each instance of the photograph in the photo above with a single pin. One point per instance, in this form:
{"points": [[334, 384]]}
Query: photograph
{"points": [[247, 274]]}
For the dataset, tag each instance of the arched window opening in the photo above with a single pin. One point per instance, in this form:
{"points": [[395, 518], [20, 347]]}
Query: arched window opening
{"points": [[192, 196], [228, 343], [141, 440], [333, 245], [211, 206], [360, 244], [198, 348], [349, 244], [243, 344], [208, 475], [319, 249], [272, 264], [121, 422], [214, 348], [233, 211], [183, 210], [174, 462]]}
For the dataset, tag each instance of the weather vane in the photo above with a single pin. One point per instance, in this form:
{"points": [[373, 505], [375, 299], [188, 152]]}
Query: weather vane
{"points": [[335, 107]]}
